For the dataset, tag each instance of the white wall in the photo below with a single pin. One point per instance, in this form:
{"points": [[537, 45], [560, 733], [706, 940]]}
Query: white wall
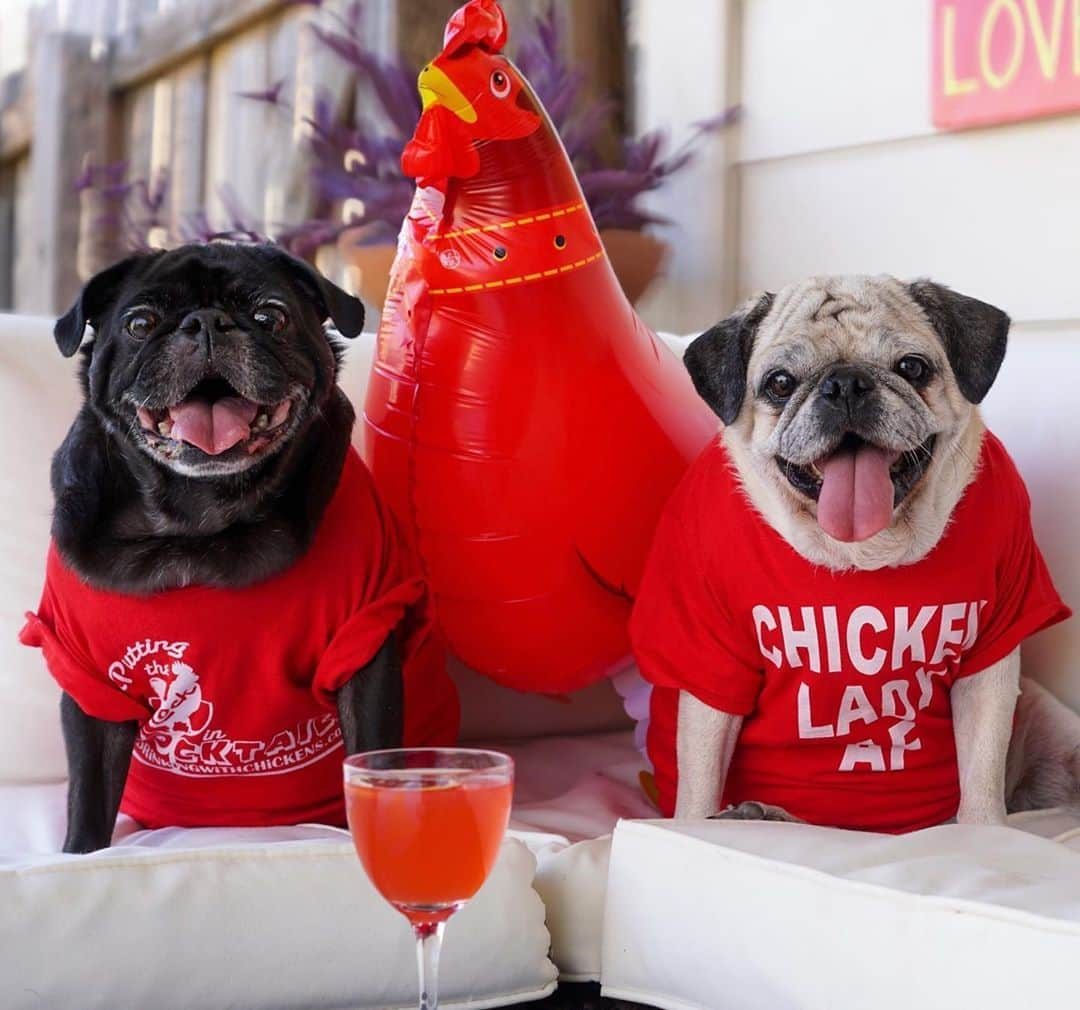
{"points": [[840, 169], [835, 166], [683, 73]]}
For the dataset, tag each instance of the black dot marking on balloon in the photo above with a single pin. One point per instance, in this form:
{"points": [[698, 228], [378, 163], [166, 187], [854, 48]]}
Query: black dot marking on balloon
{"points": [[499, 252], [560, 241]]}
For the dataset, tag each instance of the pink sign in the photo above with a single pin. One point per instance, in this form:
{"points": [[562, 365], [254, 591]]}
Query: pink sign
{"points": [[999, 61]]}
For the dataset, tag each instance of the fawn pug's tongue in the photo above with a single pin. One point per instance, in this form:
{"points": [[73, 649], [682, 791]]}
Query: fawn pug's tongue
{"points": [[856, 498]]}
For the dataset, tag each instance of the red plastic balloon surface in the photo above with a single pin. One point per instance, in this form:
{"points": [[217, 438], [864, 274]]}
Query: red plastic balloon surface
{"points": [[521, 419]]}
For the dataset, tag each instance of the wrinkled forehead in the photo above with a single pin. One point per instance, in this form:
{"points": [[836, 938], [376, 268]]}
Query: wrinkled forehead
{"points": [[205, 276], [827, 319]]}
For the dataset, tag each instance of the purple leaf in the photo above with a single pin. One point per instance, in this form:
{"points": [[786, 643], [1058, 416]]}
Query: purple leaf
{"points": [[271, 96]]}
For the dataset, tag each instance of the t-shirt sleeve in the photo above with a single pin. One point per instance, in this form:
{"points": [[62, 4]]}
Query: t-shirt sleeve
{"points": [[1025, 599], [394, 595], [681, 631], [99, 693]]}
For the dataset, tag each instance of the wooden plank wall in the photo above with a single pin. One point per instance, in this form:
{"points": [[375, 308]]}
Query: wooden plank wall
{"points": [[173, 83]]}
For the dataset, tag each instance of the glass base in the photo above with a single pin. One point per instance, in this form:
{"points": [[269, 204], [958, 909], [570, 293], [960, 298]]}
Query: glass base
{"points": [[422, 915]]}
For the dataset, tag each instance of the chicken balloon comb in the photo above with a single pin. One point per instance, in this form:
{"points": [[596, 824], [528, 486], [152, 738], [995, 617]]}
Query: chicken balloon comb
{"points": [[480, 23]]}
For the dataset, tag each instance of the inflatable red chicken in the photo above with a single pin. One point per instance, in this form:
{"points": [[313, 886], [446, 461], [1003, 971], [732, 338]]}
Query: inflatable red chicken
{"points": [[523, 421]]}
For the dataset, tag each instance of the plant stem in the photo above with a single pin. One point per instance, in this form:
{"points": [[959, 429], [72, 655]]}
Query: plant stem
{"points": [[428, 944]]}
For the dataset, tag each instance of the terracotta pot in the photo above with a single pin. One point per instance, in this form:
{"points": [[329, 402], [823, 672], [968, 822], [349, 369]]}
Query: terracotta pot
{"points": [[369, 266], [636, 257]]}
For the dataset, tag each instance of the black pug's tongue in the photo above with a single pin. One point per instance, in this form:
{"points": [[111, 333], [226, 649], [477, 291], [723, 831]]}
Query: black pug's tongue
{"points": [[213, 427], [856, 499]]}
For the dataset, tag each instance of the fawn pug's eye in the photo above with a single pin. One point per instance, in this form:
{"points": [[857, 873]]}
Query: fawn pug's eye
{"points": [[141, 322], [914, 368], [270, 317], [779, 386], [500, 84]]}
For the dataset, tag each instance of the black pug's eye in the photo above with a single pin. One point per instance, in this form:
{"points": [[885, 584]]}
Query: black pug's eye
{"points": [[270, 317], [141, 324], [915, 369], [779, 386], [500, 84]]}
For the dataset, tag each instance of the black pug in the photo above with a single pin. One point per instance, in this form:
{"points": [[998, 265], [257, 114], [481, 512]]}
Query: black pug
{"points": [[211, 440]]}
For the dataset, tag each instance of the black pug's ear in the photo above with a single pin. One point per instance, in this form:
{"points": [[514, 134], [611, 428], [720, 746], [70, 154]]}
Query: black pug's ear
{"points": [[974, 335], [93, 300], [346, 311], [718, 359]]}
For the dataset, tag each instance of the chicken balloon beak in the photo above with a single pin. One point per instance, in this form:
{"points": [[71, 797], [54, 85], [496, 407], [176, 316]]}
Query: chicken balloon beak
{"points": [[437, 89]]}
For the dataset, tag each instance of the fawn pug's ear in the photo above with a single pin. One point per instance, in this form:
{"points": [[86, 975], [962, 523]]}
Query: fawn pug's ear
{"points": [[718, 359], [974, 335], [96, 297]]}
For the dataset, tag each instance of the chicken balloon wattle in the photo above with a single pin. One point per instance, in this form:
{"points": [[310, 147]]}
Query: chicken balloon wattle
{"points": [[524, 423]]}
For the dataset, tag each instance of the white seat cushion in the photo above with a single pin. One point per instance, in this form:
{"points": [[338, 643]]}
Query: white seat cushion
{"points": [[258, 917], [765, 915], [569, 790]]}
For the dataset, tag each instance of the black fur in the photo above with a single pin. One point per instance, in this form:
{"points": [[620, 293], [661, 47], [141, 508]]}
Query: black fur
{"points": [[371, 705], [126, 520], [973, 332], [98, 754], [718, 359]]}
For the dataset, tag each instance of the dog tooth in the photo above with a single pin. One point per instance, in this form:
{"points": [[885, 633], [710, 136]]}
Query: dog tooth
{"points": [[164, 427], [281, 411]]}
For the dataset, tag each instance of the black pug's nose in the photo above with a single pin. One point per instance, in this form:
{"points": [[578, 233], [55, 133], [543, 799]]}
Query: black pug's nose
{"points": [[206, 325], [845, 387]]}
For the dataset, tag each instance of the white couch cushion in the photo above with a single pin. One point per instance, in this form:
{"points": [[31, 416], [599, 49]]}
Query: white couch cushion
{"points": [[569, 791], [1041, 430], [38, 400], [763, 915], [259, 917]]}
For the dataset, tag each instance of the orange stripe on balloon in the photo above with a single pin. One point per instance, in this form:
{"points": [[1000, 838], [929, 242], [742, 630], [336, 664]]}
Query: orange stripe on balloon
{"points": [[562, 212], [518, 280]]}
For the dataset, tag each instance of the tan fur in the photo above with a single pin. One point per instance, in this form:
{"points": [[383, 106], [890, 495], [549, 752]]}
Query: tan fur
{"points": [[874, 321], [823, 321]]}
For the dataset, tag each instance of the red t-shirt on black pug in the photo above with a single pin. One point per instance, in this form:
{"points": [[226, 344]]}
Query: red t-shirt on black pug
{"points": [[843, 678], [234, 689]]}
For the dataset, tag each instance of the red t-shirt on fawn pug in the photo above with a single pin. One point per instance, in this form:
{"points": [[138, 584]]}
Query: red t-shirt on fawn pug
{"points": [[843, 677], [234, 688]]}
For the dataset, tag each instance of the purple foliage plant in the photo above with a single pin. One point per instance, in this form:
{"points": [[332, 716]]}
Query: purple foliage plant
{"points": [[358, 164]]}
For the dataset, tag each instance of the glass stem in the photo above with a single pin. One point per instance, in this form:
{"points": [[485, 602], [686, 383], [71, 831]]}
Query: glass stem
{"points": [[428, 944]]}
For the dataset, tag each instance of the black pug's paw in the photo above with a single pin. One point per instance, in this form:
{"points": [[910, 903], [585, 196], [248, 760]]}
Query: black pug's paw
{"points": [[751, 810]]}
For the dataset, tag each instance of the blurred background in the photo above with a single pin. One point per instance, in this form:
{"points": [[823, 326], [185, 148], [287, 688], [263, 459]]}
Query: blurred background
{"points": [[744, 143]]}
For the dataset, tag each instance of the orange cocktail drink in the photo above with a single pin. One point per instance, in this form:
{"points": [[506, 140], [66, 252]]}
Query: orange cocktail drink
{"points": [[429, 847], [427, 825]]}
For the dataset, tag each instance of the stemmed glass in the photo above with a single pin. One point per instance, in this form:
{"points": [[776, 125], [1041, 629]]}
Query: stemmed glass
{"points": [[427, 824]]}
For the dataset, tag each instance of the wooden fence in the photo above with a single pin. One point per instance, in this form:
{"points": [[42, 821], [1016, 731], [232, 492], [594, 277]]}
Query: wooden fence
{"points": [[162, 93]]}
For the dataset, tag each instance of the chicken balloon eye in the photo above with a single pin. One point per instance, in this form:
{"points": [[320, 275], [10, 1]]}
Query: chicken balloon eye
{"points": [[500, 84], [139, 324], [270, 317]]}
